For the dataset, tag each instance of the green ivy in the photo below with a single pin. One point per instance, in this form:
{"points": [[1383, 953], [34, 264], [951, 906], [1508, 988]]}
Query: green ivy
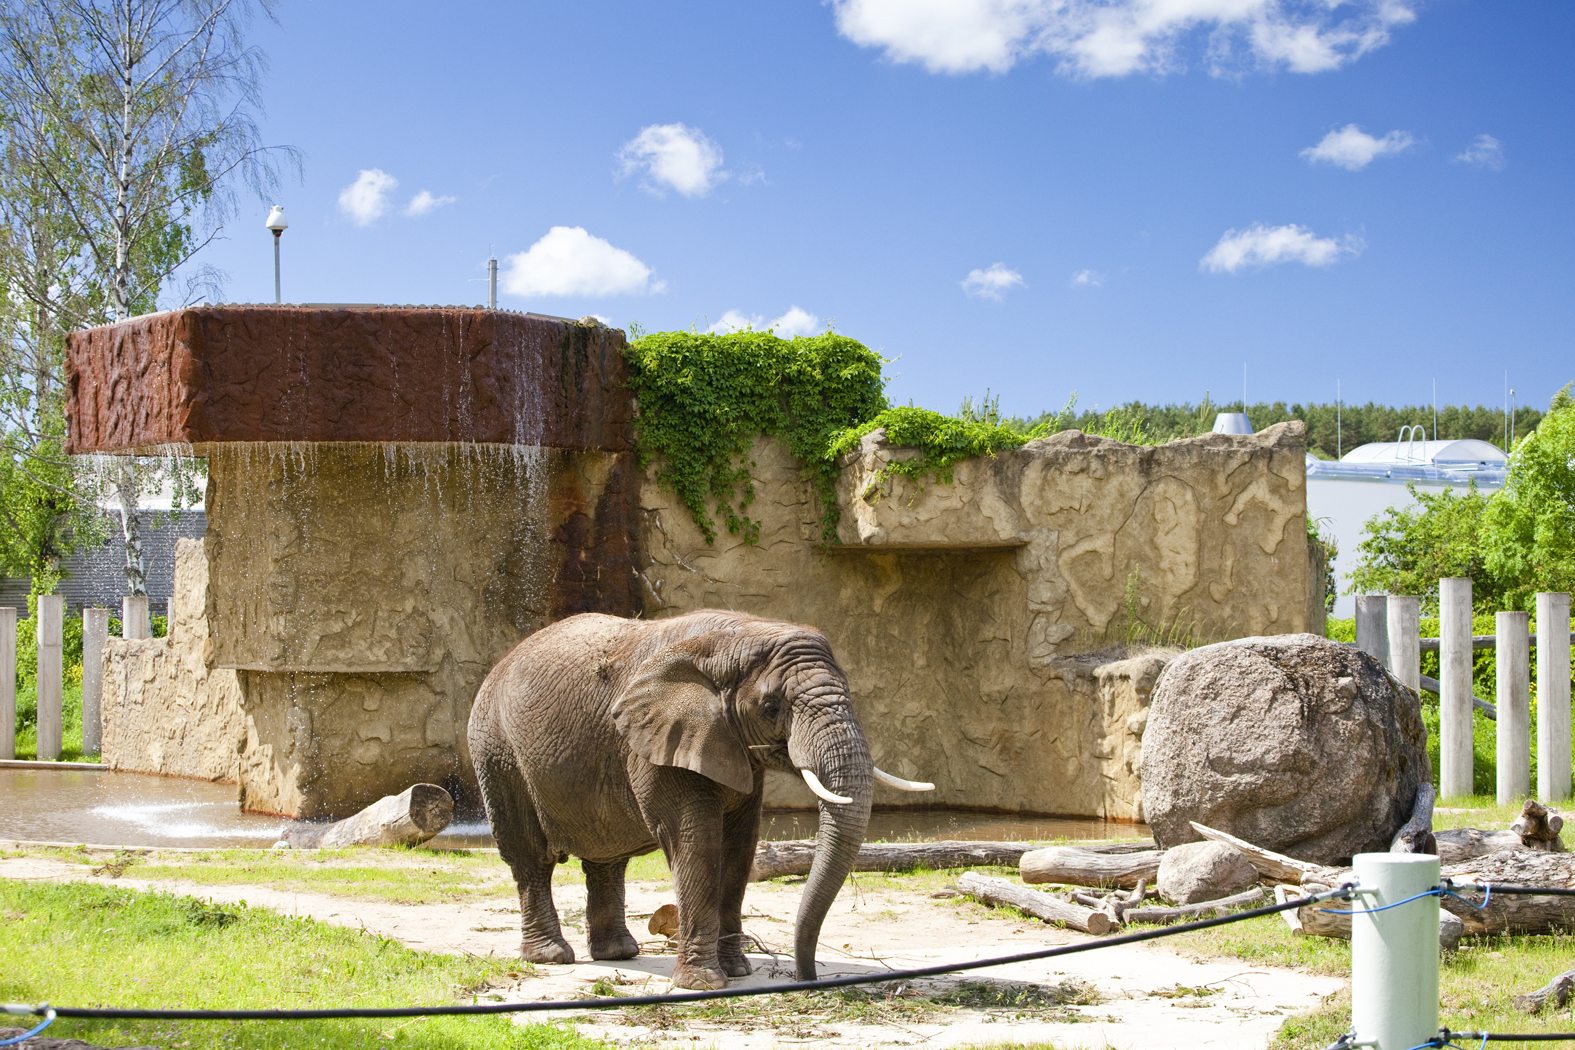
{"points": [[703, 398], [942, 441]]}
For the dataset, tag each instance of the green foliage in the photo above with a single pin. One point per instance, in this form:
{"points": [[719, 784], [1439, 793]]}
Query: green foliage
{"points": [[704, 398], [1407, 550], [942, 441], [1528, 529]]}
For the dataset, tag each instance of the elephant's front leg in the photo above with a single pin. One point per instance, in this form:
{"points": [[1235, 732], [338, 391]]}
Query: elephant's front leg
{"points": [[604, 911], [740, 831], [691, 836]]}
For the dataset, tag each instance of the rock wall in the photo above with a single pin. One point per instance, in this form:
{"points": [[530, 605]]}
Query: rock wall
{"points": [[165, 709], [985, 624]]}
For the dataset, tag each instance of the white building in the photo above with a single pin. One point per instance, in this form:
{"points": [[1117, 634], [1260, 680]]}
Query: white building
{"points": [[1343, 494]]}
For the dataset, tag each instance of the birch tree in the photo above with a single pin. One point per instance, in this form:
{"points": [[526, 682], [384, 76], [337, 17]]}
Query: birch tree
{"points": [[131, 125]]}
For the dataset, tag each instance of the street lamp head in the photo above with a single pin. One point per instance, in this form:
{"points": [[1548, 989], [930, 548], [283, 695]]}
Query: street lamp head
{"points": [[276, 220]]}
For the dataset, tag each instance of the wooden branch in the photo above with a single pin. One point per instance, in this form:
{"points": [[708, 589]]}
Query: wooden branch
{"points": [[1276, 867], [1539, 828], [1081, 867], [406, 819], [1517, 914], [1040, 905], [1163, 916], [775, 859], [1555, 993], [1293, 919], [1416, 835], [1324, 920]]}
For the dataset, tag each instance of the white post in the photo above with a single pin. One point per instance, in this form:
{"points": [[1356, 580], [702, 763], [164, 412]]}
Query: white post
{"points": [[1553, 696], [1454, 677], [1372, 626], [492, 284], [51, 674], [1405, 640], [7, 682], [134, 616], [1394, 953], [1513, 648], [95, 628]]}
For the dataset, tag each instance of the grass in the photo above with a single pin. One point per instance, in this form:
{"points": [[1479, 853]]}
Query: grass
{"points": [[70, 717], [85, 944], [401, 876]]}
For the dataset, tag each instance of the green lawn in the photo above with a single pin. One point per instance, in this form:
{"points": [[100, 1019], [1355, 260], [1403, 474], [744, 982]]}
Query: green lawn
{"points": [[82, 945]]}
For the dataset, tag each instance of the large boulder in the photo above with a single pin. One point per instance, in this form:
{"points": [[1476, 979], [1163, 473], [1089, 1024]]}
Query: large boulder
{"points": [[1295, 743]]}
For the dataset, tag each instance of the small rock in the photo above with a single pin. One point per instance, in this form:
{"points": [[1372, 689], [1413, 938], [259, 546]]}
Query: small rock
{"points": [[1195, 872]]}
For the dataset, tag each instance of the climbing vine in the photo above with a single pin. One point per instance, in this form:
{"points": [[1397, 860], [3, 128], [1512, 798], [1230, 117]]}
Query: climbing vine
{"points": [[941, 440], [703, 398]]}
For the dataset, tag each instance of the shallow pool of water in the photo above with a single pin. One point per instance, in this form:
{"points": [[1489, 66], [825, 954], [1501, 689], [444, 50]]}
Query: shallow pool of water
{"points": [[133, 809]]}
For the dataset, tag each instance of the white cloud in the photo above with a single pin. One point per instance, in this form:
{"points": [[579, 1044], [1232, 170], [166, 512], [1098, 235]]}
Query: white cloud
{"points": [[676, 157], [992, 283], [797, 321], [1353, 149], [366, 199], [569, 261], [1259, 246], [424, 202], [736, 321], [1098, 38], [1087, 279], [1485, 151]]}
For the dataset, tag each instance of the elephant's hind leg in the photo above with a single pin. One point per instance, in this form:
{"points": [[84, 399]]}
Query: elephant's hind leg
{"points": [[523, 846], [604, 911]]}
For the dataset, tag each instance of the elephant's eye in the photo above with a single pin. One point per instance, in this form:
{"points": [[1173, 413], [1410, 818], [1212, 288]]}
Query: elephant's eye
{"points": [[771, 706]]}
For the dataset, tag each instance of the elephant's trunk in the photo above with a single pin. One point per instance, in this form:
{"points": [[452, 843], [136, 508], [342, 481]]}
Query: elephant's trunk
{"points": [[834, 749]]}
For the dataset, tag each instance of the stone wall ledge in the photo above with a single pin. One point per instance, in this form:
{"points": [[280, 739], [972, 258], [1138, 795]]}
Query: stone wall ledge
{"points": [[995, 502]]}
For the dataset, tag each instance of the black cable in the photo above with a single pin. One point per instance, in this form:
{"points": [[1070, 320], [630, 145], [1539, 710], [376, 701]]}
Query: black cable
{"points": [[619, 1002]]}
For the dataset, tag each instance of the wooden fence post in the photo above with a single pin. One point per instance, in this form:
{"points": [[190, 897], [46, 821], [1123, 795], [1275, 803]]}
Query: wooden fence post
{"points": [[1372, 626], [51, 674], [1513, 648], [1454, 682], [1553, 696], [7, 682], [95, 628]]}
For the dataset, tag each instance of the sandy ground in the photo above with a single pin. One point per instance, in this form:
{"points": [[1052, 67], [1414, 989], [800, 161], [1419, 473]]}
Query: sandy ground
{"points": [[867, 930]]}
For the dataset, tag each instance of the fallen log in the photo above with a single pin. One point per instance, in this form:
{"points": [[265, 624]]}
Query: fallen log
{"points": [[1165, 916], [1275, 867], [1555, 994], [1416, 834], [1327, 920], [1040, 905], [1514, 914], [1459, 845], [1081, 867], [775, 859], [406, 819]]}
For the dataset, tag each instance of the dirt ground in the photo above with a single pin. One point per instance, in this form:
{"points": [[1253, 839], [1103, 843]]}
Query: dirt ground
{"points": [[1124, 996]]}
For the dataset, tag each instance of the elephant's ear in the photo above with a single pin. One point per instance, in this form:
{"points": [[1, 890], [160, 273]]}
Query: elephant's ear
{"points": [[671, 714]]}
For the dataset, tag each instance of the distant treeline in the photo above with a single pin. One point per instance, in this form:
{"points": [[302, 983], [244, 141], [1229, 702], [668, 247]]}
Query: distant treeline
{"points": [[1326, 438]]}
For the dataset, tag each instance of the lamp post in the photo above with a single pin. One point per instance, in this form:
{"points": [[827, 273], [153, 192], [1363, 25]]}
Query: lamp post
{"points": [[277, 223]]}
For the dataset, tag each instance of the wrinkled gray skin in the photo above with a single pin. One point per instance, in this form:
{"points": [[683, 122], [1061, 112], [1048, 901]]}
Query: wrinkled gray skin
{"points": [[606, 738]]}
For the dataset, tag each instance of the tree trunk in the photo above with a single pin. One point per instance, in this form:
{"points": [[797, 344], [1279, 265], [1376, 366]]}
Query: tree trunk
{"points": [[1416, 835], [131, 528], [406, 819], [775, 859], [1080, 867], [1276, 867], [1040, 905], [1555, 993]]}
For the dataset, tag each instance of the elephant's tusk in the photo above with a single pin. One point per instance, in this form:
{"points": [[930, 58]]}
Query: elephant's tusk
{"points": [[820, 789], [901, 784]]}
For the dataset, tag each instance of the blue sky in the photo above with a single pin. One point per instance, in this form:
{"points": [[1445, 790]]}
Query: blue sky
{"points": [[1122, 198]]}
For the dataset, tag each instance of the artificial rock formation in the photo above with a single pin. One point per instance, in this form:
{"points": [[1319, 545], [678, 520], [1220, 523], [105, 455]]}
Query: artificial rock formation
{"points": [[397, 496], [1297, 744]]}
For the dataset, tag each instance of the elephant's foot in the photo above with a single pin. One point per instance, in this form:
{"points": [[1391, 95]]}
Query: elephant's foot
{"points": [[614, 944], [546, 951], [698, 978], [737, 966]]}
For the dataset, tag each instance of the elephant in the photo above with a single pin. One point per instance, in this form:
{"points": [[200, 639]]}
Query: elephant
{"points": [[607, 738]]}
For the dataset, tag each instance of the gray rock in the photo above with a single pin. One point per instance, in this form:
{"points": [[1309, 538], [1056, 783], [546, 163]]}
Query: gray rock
{"points": [[47, 1042], [1294, 743], [1194, 872]]}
